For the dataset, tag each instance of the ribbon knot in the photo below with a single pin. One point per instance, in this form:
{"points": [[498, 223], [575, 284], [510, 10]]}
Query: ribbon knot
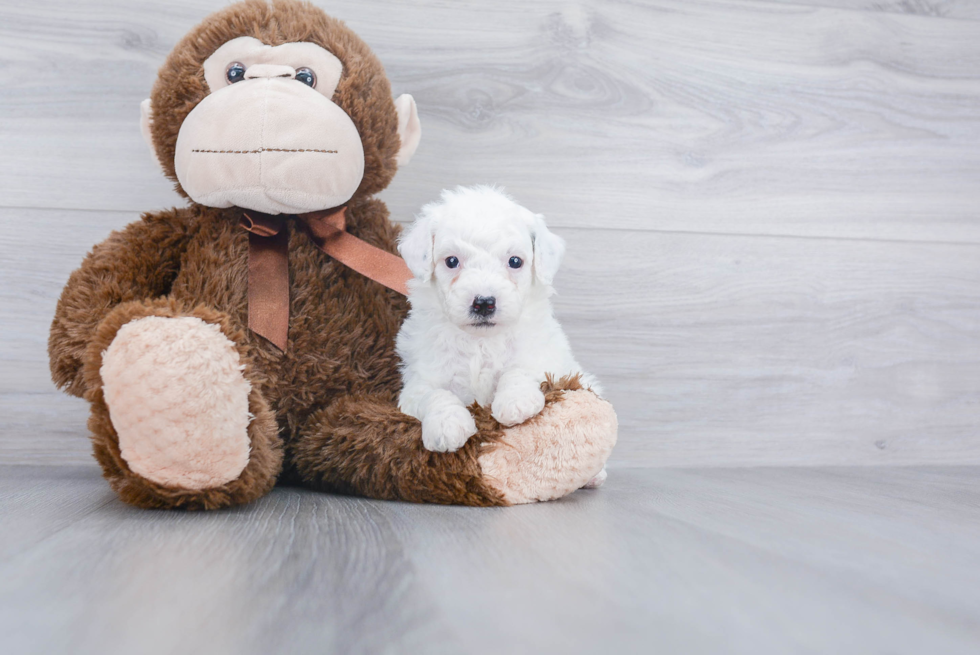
{"points": [[263, 225], [268, 264]]}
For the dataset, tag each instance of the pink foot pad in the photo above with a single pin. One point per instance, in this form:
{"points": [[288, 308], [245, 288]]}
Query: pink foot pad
{"points": [[555, 453], [178, 401]]}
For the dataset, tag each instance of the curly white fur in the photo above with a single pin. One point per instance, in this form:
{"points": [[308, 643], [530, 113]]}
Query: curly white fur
{"points": [[454, 352]]}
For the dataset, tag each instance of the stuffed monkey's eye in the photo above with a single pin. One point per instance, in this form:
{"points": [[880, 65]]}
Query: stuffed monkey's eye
{"points": [[235, 72], [306, 76], [515, 262], [452, 262]]}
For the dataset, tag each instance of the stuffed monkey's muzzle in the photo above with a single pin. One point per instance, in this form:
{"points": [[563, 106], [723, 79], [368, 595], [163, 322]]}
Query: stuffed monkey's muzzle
{"points": [[271, 144]]}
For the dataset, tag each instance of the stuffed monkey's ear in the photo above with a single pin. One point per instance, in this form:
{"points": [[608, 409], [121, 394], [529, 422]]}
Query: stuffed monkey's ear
{"points": [[415, 247], [409, 128], [549, 249], [146, 119]]}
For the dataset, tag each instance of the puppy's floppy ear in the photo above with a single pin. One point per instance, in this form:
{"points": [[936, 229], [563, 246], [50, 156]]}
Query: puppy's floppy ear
{"points": [[549, 249], [415, 247]]}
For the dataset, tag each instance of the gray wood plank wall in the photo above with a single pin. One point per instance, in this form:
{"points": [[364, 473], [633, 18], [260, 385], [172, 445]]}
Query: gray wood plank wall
{"points": [[772, 208]]}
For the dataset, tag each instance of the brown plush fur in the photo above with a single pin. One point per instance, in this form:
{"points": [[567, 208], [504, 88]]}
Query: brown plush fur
{"points": [[328, 402], [265, 458], [340, 454], [363, 92]]}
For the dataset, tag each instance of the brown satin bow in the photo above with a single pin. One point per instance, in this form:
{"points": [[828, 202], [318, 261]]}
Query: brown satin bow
{"points": [[268, 264]]}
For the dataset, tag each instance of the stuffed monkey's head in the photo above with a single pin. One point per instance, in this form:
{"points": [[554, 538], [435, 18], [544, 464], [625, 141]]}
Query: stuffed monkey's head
{"points": [[277, 108]]}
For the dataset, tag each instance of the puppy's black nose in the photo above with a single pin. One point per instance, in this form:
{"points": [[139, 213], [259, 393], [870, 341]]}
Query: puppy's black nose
{"points": [[484, 305]]}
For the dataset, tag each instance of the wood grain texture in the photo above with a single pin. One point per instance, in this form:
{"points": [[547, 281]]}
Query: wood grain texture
{"points": [[715, 350], [771, 207], [958, 9], [743, 350], [729, 116], [874, 560]]}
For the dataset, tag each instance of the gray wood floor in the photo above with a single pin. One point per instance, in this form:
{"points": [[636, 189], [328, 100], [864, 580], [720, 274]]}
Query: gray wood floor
{"points": [[755, 560]]}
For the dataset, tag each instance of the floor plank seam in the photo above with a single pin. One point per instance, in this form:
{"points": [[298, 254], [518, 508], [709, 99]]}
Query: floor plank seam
{"points": [[630, 230]]}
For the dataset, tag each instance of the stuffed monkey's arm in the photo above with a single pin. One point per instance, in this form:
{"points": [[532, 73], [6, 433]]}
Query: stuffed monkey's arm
{"points": [[138, 262]]}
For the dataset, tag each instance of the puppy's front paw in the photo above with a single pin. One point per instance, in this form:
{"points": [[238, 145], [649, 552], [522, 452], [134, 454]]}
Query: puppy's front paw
{"points": [[517, 404], [447, 429]]}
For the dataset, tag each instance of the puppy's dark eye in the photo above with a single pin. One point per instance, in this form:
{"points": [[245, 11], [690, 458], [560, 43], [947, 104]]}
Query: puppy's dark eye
{"points": [[306, 76], [515, 262], [452, 262], [235, 72]]}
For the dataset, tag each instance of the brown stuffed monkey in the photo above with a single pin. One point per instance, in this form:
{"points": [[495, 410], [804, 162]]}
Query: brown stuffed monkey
{"points": [[278, 110]]}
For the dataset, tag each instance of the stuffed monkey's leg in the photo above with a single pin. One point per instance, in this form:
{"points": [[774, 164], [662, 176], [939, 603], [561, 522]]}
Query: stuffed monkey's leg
{"points": [[175, 421], [364, 445]]}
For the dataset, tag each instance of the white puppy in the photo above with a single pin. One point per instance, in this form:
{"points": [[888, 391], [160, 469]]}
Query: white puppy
{"points": [[481, 326]]}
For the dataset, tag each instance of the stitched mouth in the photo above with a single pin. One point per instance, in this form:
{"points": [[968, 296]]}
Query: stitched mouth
{"points": [[261, 150], [483, 324]]}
